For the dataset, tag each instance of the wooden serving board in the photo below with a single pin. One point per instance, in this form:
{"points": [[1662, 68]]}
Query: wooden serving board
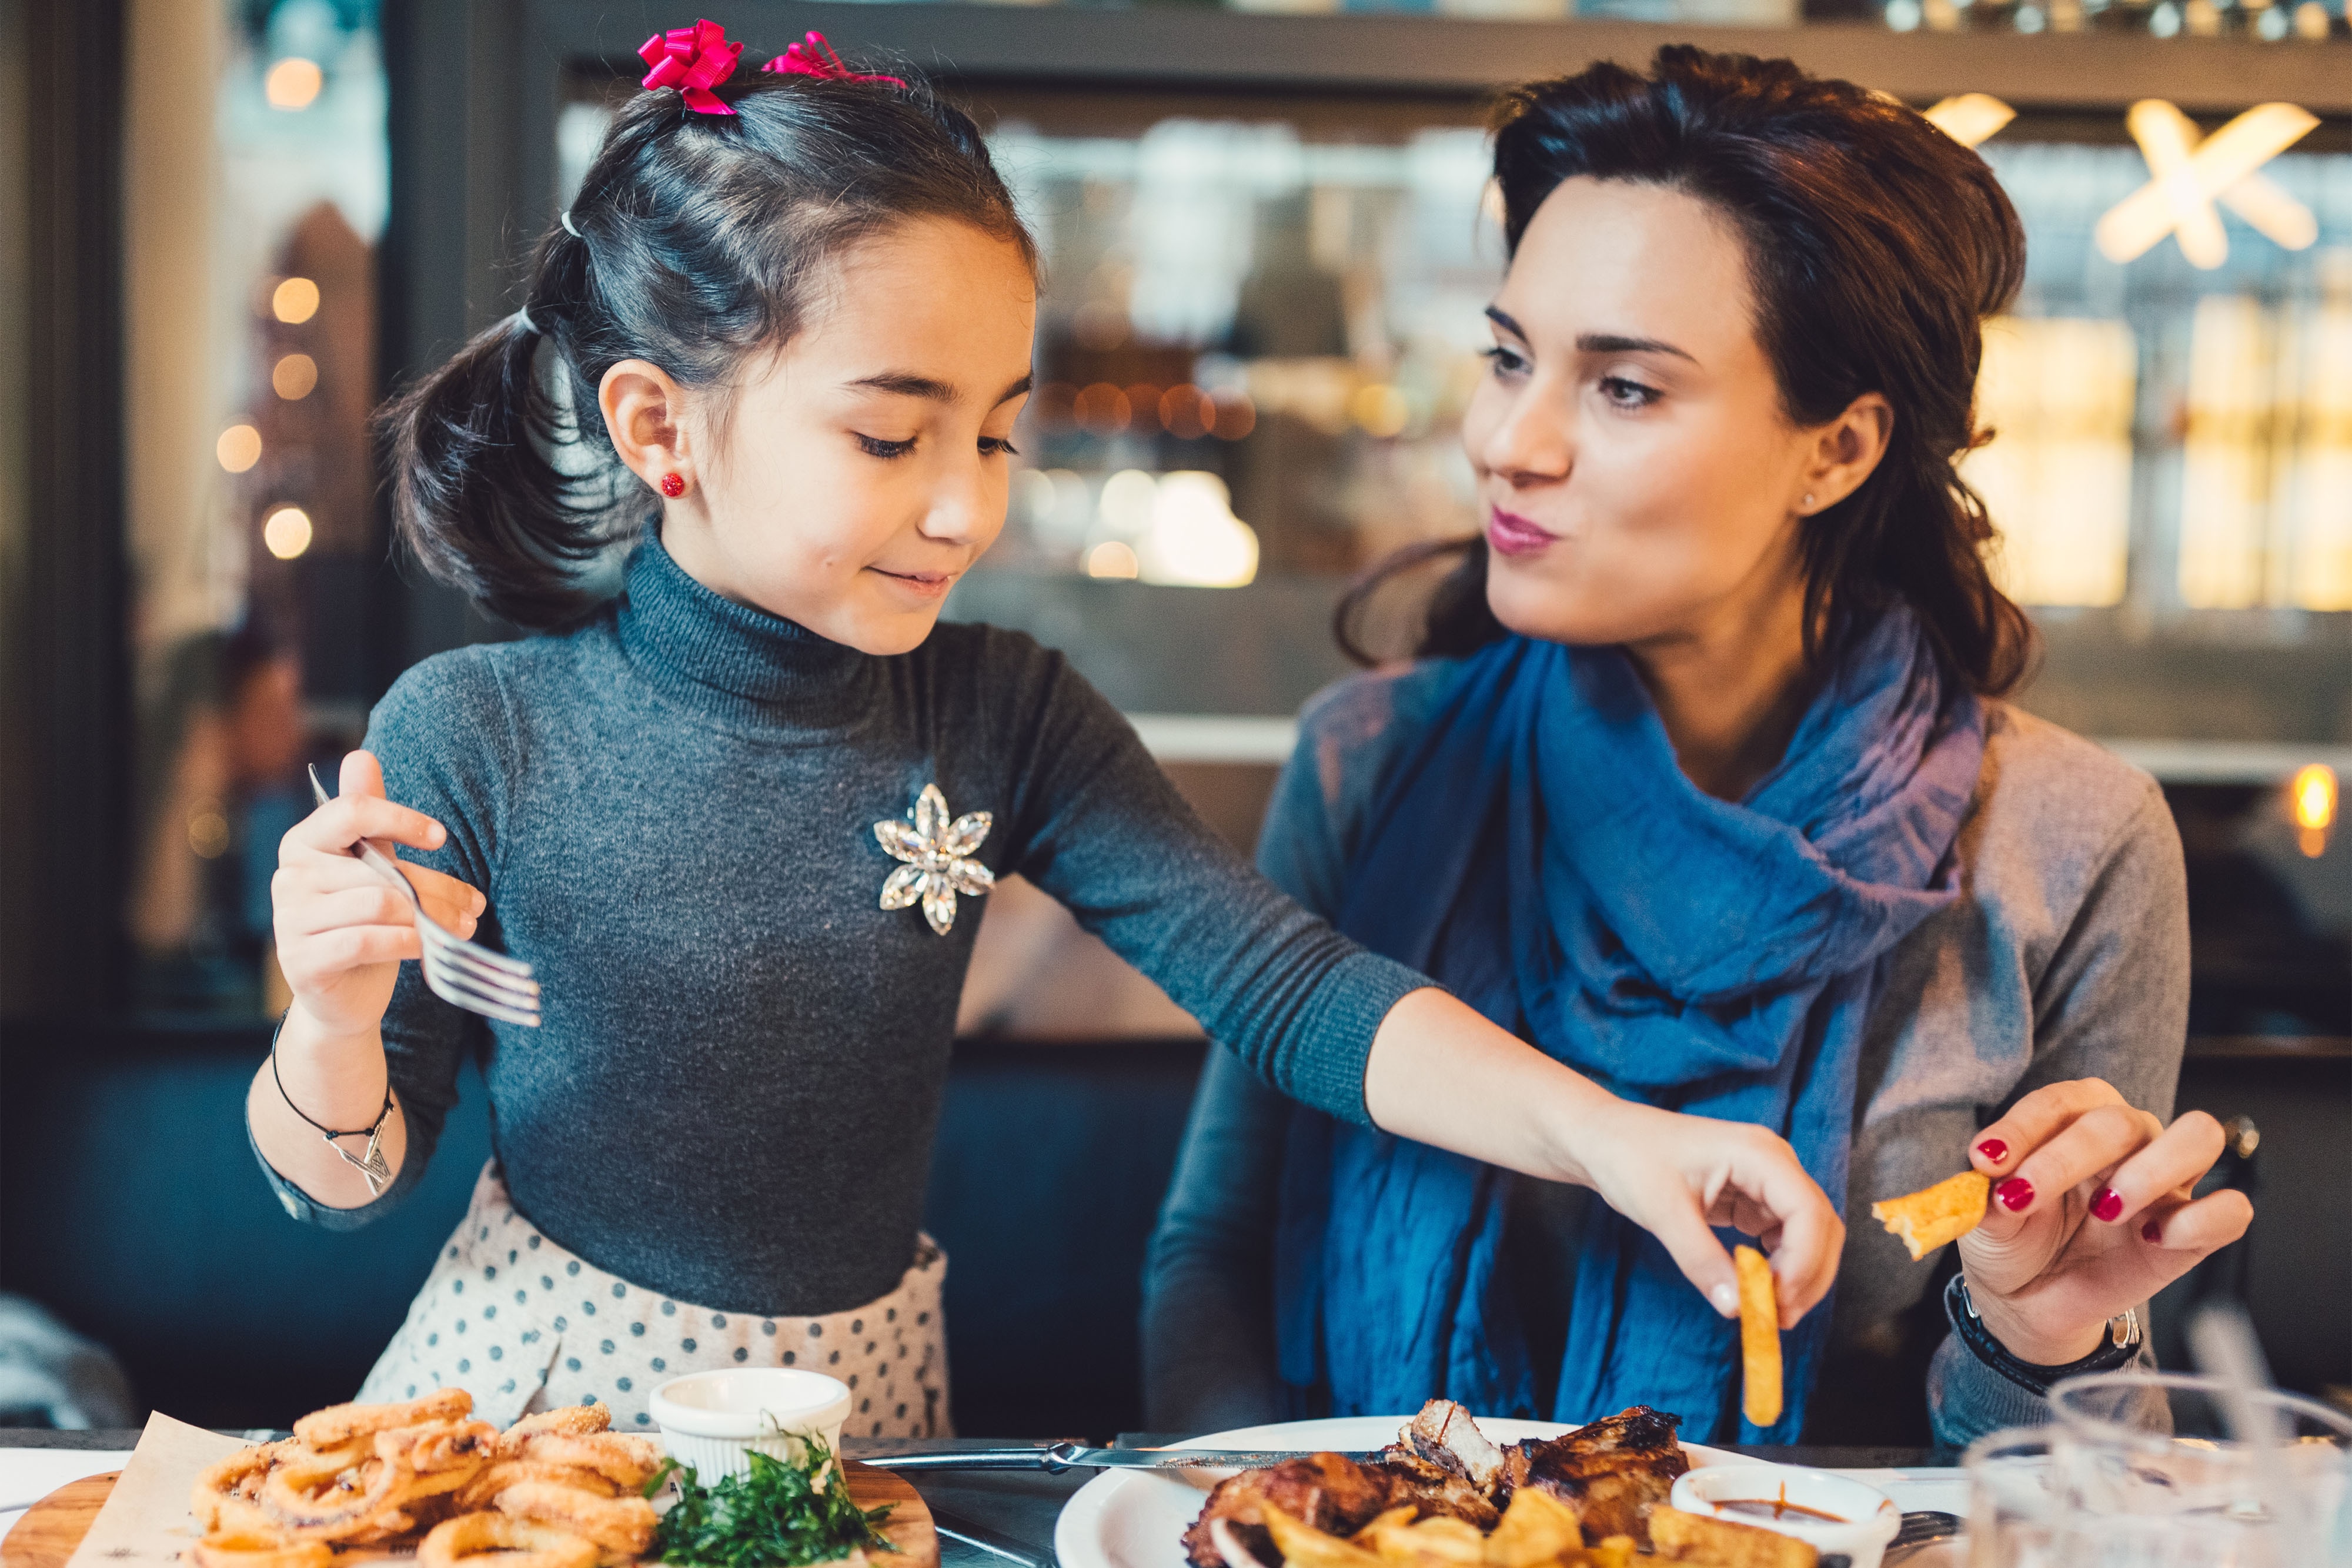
{"points": [[52, 1528]]}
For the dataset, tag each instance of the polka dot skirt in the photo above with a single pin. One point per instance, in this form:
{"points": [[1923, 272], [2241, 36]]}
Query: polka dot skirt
{"points": [[523, 1326]]}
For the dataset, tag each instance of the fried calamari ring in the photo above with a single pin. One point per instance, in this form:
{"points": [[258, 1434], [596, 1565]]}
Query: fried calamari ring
{"points": [[444, 1445], [225, 1513], [237, 1476], [454, 1540], [257, 1551], [620, 1524], [569, 1421], [339, 1424], [624, 1461], [484, 1488], [344, 1508]]}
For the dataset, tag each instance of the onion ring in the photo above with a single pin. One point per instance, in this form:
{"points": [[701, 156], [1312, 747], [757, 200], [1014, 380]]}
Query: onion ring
{"points": [[339, 1424], [485, 1486], [569, 1420], [257, 1551], [442, 1446], [471, 1535], [624, 1461], [225, 1513], [619, 1524]]}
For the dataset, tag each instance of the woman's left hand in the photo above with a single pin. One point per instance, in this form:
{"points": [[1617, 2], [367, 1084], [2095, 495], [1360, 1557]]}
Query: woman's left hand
{"points": [[2089, 1216]]}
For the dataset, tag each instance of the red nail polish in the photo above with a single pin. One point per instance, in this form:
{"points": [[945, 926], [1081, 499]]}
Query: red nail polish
{"points": [[1993, 1150], [2152, 1231], [2108, 1204], [2016, 1192]]}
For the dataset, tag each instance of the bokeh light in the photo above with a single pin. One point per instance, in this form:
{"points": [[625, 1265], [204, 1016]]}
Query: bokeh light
{"points": [[286, 532], [293, 83], [293, 377], [294, 302], [238, 448], [1112, 557]]}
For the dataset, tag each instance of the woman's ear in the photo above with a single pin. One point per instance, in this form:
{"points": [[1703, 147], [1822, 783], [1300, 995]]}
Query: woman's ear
{"points": [[1845, 451], [644, 412]]}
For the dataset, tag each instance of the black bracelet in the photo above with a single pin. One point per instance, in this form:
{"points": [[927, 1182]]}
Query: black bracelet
{"points": [[2122, 1350], [372, 1165]]}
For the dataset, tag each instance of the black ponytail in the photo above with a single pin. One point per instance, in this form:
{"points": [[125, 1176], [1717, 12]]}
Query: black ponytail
{"points": [[692, 242], [1876, 245]]}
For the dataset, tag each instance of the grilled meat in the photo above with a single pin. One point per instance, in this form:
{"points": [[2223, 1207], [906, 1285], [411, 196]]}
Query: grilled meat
{"points": [[1332, 1493], [1611, 1472]]}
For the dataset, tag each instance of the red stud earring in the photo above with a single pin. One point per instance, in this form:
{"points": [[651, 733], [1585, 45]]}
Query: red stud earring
{"points": [[672, 486]]}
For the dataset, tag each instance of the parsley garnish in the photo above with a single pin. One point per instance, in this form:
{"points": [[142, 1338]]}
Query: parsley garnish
{"points": [[776, 1517]]}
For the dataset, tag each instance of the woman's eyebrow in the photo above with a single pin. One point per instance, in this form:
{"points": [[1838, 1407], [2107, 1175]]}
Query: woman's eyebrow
{"points": [[1611, 343], [1016, 389]]}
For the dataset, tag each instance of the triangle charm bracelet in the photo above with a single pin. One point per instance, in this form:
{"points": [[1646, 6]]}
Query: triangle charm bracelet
{"points": [[372, 1165]]}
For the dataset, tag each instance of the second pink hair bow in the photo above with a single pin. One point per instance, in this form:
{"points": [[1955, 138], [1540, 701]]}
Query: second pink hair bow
{"points": [[816, 59], [694, 60]]}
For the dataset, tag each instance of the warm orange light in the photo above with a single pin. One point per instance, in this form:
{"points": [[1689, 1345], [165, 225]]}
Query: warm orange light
{"points": [[293, 377], [1102, 409], [238, 448], [2188, 174], [293, 83], [2311, 797], [287, 532], [1112, 557], [1970, 118], [1187, 412], [1237, 416], [294, 302]]}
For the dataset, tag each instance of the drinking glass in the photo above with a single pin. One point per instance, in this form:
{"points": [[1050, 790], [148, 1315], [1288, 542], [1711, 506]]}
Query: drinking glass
{"points": [[2164, 1472], [2208, 1471]]}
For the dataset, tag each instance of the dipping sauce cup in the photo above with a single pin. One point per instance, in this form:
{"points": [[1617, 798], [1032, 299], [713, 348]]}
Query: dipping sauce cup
{"points": [[714, 1420], [1837, 1514]]}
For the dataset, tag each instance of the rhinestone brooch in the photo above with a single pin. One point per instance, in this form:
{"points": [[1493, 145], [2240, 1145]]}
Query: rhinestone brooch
{"points": [[938, 853]]}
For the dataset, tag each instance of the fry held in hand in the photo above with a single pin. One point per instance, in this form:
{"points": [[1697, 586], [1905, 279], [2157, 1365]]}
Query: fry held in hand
{"points": [[1760, 1337], [1946, 1211]]}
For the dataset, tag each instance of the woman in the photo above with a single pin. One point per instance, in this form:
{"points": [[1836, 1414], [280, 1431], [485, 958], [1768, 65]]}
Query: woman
{"points": [[1704, 785]]}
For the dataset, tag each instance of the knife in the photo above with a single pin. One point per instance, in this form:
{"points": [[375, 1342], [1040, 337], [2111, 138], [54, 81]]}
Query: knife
{"points": [[1055, 1457]]}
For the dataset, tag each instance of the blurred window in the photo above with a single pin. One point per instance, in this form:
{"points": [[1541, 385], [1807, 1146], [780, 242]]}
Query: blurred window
{"points": [[257, 182]]}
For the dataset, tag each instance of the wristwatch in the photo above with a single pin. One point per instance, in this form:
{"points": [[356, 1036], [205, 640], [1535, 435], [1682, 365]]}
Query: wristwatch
{"points": [[2124, 1338]]}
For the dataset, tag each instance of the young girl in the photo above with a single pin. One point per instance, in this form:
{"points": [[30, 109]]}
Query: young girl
{"points": [[795, 307], [1706, 785]]}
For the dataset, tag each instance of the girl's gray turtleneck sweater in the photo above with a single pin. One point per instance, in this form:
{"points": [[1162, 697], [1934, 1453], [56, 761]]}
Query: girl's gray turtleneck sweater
{"points": [[671, 809]]}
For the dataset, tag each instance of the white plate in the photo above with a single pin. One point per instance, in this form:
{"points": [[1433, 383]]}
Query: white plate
{"points": [[1136, 1519]]}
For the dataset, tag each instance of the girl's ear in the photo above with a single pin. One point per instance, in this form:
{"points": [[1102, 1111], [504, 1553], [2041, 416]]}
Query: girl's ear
{"points": [[644, 412], [1845, 451]]}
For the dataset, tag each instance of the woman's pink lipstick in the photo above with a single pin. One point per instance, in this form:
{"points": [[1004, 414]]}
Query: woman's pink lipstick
{"points": [[1511, 534]]}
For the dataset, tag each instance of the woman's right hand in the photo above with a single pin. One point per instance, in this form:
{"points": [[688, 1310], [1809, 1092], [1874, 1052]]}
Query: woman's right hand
{"points": [[1677, 1176], [341, 932]]}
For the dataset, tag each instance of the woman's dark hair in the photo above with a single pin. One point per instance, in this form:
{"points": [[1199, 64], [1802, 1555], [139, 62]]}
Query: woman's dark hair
{"points": [[694, 240], [1876, 245]]}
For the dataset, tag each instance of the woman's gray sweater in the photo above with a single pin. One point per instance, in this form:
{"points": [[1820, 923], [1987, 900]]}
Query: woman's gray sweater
{"points": [[2065, 956], [671, 809]]}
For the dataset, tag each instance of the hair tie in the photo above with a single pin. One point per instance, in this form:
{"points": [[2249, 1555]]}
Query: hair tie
{"points": [[693, 60], [564, 218], [817, 58], [522, 318]]}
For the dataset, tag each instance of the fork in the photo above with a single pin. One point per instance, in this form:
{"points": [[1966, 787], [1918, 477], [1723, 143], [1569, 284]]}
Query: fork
{"points": [[461, 973]]}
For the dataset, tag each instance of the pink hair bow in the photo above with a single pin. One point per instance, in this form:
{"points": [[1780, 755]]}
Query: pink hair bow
{"points": [[694, 60], [816, 59]]}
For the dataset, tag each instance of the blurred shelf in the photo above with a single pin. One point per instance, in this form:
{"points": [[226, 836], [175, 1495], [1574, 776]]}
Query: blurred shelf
{"points": [[1243, 738], [1431, 57]]}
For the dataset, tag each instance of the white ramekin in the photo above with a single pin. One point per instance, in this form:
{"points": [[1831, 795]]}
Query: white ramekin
{"points": [[713, 1421], [1869, 1518]]}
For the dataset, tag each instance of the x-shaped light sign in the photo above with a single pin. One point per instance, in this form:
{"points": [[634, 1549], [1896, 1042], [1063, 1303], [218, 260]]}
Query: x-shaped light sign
{"points": [[2189, 175]]}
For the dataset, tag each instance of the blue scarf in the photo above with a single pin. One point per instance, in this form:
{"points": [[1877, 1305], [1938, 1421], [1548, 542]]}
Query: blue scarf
{"points": [[1542, 853]]}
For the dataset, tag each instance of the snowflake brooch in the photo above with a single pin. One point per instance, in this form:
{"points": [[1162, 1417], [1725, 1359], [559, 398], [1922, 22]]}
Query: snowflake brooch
{"points": [[938, 853]]}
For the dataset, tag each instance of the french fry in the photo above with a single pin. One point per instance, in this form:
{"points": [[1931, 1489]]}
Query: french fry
{"points": [[1304, 1546], [1402, 1514], [1432, 1541], [1945, 1212], [1612, 1551], [1536, 1528], [1760, 1337], [1679, 1537]]}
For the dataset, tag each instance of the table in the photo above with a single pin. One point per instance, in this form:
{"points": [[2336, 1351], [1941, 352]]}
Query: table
{"points": [[1017, 1508]]}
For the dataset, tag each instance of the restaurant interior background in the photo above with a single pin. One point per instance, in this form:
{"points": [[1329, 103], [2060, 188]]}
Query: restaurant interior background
{"points": [[227, 226]]}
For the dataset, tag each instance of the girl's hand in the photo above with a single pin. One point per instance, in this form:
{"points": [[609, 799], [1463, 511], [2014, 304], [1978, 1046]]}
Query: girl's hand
{"points": [[2089, 1216], [342, 933], [1676, 1177]]}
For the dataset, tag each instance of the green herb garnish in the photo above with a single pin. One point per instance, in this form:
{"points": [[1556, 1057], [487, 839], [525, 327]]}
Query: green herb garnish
{"points": [[779, 1516]]}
